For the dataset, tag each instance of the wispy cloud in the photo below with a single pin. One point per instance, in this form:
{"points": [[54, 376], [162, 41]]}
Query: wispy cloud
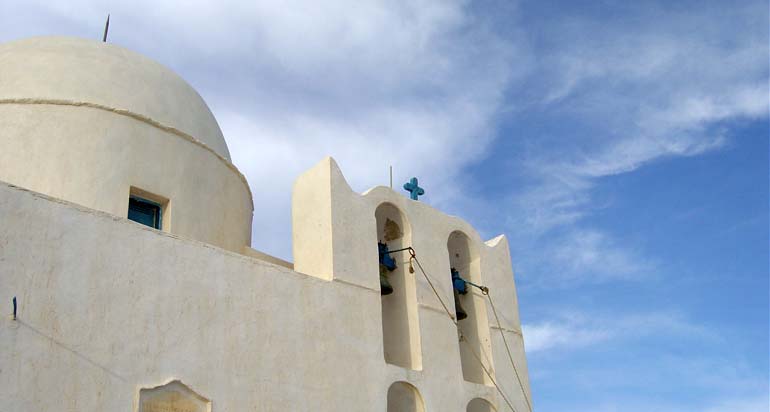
{"points": [[592, 251], [580, 256], [654, 87], [415, 85], [549, 335], [401, 86], [627, 362], [758, 403], [576, 329], [644, 382], [754, 401]]}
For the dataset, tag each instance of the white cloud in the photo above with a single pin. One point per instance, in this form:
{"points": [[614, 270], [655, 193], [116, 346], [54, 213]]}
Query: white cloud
{"points": [[415, 87], [626, 155], [592, 252], [547, 335], [577, 256], [575, 330], [411, 84], [655, 87], [758, 403]]}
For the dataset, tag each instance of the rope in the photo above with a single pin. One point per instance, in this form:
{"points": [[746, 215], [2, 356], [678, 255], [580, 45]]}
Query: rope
{"points": [[508, 349], [414, 256], [489, 375], [462, 335]]}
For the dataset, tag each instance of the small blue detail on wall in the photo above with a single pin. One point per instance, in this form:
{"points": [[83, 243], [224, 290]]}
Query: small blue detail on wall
{"points": [[413, 189]]}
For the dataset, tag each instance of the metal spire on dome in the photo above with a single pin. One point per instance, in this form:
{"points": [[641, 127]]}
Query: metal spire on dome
{"points": [[106, 28]]}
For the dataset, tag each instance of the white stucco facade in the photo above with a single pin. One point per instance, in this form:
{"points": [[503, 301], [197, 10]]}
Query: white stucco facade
{"points": [[91, 122], [112, 313]]}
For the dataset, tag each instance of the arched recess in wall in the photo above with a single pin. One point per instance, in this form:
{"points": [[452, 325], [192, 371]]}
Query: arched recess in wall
{"points": [[400, 326], [480, 405], [403, 397], [464, 257]]}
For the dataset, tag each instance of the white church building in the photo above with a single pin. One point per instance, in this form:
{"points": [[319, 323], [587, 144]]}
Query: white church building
{"points": [[128, 281]]}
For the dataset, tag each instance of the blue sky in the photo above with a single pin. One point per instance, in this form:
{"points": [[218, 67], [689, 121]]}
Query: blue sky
{"points": [[621, 146]]}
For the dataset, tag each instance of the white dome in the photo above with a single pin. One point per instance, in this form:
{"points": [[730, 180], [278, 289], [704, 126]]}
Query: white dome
{"points": [[92, 72]]}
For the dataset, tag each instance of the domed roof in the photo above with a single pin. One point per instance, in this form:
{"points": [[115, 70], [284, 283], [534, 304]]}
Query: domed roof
{"points": [[87, 71]]}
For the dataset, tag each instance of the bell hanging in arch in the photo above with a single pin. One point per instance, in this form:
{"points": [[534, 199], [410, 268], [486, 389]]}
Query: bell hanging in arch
{"points": [[459, 310], [385, 287]]}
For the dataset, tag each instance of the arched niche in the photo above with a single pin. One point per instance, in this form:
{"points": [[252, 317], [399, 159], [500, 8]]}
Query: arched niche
{"points": [[464, 256], [480, 405], [400, 326], [403, 397]]}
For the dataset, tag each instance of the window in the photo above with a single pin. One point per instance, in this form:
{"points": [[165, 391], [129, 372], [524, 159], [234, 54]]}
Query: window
{"points": [[145, 212]]}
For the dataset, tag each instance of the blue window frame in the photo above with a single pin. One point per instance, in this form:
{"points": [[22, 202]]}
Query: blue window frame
{"points": [[145, 212]]}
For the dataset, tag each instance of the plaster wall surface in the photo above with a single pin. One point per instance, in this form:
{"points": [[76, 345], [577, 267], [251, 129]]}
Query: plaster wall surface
{"points": [[93, 158], [108, 306], [76, 70], [348, 219]]}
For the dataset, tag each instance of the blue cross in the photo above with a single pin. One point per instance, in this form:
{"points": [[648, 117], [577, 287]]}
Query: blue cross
{"points": [[413, 189]]}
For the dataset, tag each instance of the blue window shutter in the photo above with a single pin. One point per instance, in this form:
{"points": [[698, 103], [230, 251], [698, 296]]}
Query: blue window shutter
{"points": [[144, 211]]}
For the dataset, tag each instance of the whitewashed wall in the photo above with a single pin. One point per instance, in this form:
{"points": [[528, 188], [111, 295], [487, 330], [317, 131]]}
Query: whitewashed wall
{"points": [[107, 306]]}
